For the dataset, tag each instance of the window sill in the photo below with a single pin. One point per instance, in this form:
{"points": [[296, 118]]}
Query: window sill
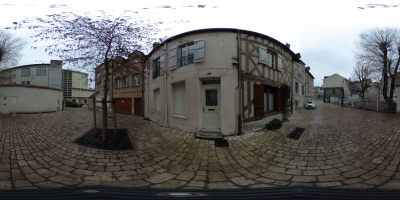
{"points": [[180, 116], [135, 86], [157, 112]]}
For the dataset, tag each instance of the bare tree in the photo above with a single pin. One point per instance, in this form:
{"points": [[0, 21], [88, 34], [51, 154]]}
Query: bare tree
{"points": [[84, 43], [381, 47], [10, 53], [362, 76]]}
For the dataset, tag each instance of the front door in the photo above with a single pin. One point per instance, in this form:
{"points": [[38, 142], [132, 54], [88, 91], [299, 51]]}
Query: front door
{"points": [[4, 105], [138, 106], [211, 107]]}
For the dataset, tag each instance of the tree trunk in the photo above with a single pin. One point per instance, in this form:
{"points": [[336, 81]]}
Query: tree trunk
{"points": [[104, 106]]}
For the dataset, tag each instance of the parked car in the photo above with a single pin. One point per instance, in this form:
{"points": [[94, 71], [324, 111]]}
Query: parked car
{"points": [[311, 104]]}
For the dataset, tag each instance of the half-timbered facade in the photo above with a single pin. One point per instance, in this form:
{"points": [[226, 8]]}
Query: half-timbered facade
{"points": [[192, 81]]}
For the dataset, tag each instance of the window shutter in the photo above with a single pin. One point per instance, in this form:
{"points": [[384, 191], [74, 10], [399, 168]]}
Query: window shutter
{"points": [[280, 100], [299, 70], [258, 100], [280, 62], [262, 55], [162, 64], [172, 58], [198, 50]]}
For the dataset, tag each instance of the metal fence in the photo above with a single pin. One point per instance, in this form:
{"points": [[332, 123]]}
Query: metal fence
{"points": [[387, 105]]}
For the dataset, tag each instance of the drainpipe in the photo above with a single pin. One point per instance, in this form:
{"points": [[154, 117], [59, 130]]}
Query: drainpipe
{"points": [[292, 89], [165, 89], [239, 84]]}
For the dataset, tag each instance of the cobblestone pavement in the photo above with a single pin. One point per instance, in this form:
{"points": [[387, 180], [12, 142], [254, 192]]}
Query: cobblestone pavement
{"points": [[341, 147]]}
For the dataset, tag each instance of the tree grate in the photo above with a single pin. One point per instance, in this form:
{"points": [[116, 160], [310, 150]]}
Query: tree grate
{"points": [[120, 141], [296, 134]]}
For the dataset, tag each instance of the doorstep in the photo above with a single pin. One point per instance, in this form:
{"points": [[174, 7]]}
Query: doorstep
{"points": [[209, 134]]}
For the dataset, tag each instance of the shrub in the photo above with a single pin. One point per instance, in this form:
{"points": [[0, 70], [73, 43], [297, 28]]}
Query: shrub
{"points": [[274, 124], [71, 104]]}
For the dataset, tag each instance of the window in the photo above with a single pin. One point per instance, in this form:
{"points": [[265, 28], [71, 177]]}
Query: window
{"points": [[41, 71], [14, 83], [302, 89], [179, 98], [266, 99], [267, 57], [23, 82], [126, 81], [297, 88], [26, 72], [157, 100], [13, 75], [28, 82], [156, 68], [186, 55], [272, 57], [117, 83], [192, 52], [136, 80], [333, 91]]}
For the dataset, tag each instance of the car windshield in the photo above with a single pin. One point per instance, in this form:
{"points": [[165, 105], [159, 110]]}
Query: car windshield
{"points": [[199, 95]]}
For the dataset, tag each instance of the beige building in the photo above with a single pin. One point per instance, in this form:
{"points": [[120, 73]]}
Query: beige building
{"points": [[336, 87], [192, 84], [310, 95], [127, 87], [75, 86]]}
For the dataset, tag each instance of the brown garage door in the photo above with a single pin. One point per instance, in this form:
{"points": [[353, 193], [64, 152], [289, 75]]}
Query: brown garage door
{"points": [[138, 106], [123, 105]]}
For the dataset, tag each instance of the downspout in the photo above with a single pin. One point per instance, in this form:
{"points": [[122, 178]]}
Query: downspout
{"points": [[292, 102], [239, 51], [165, 89]]}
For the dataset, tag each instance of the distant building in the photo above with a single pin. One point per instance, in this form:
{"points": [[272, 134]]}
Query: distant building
{"points": [[75, 86], [310, 96], [335, 88], [47, 75], [31, 88]]}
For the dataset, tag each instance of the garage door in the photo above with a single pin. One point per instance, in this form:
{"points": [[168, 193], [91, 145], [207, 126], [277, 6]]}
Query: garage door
{"points": [[123, 105]]}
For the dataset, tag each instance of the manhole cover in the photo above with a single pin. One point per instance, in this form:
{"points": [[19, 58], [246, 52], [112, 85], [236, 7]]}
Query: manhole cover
{"points": [[296, 134], [221, 143]]}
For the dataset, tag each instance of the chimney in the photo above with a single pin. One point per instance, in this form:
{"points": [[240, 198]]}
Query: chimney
{"points": [[287, 45], [155, 45], [308, 68], [298, 55]]}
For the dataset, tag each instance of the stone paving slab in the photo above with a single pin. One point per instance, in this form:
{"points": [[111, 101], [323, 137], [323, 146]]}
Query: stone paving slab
{"points": [[341, 147]]}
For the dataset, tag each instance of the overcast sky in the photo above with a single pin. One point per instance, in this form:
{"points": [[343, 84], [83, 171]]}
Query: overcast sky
{"points": [[322, 31]]}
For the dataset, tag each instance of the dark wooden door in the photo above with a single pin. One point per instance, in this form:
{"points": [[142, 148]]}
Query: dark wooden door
{"points": [[258, 100], [123, 105], [138, 106]]}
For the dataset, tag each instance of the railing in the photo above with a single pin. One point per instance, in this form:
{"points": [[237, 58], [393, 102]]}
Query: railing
{"points": [[383, 105]]}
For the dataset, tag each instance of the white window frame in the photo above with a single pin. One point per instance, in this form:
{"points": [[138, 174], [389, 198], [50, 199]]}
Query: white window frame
{"points": [[28, 82], [26, 72], [179, 93], [13, 75], [157, 106], [189, 59], [117, 83], [126, 81], [136, 80], [40, 71]]}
